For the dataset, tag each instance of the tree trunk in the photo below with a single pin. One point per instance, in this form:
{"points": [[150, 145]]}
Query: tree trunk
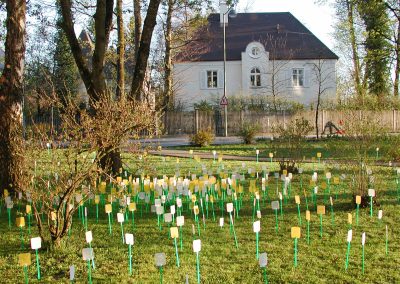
{"points": [[121, 52], [144, 50], [138, 25], [168, 56], [94, 80], [397, 68], [356, 61], [11, 96]]}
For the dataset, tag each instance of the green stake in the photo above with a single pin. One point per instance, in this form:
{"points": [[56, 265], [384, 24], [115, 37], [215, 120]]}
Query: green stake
{"points": [[37, 264], [387, 241], [176, 253], [26, 274], [265, 275], [363, 245], [349, 237], [320, 227], [161, 274], [89, 272], [371, 193], [358, 208], [256, 229], [332, 214], [297, 199], [9, 217], [295, 252], [320, 211], [109, 224], [198, 267], [130, 259]]}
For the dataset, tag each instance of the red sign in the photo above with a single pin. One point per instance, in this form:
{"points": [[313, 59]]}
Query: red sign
{"points": [[224, 101]]}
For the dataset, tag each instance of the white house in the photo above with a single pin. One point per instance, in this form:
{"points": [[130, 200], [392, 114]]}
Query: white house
{"points": [[270, 54]]}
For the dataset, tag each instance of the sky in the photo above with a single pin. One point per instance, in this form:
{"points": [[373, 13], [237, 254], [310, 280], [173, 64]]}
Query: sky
{"points": [[317, 18]]}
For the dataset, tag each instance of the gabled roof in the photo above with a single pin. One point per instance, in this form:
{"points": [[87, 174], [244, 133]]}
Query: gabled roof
{"points": [[285, 37]]}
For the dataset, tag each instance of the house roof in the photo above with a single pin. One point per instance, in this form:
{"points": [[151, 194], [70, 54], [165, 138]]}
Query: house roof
{"points": [[283, 36]]}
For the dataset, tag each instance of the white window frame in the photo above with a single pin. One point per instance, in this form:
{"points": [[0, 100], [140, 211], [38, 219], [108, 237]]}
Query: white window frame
{"points": [[298, 80], [256, 74], [214, 83]]}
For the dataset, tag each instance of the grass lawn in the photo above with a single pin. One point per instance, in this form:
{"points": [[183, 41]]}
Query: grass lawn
{"points": [[323, 260], [330, 148]]}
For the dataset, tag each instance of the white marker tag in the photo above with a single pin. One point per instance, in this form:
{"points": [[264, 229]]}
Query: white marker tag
{"points": [[159, 210], [380, 214], [87, 254], [258, 214], [71, 273], [178, 202], [371, 192], [129, 240], [196, 246], [157, 202], [160, 259], [229, 207], [221, 222], [120, 217], [363, 239], [89, 236], [328, 175], [263, 259], [168, 217], [36, 243], [275, 205], [349, 236], [256, 226], [180, 221], [172, 209]]}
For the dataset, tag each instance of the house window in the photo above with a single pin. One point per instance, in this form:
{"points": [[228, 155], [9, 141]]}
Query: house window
{"points": [[212, 79], [298, 77], [255, 51], [255, 77]]}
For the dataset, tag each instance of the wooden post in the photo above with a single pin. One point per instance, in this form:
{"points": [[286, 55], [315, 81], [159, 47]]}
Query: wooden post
{"points": [[196, 117]]}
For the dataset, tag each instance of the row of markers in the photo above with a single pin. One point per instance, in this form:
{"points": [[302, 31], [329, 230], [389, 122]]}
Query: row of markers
{"points": [[159, 209]]}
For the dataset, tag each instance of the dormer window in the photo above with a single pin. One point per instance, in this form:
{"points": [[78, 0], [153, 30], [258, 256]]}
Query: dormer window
{"points": [[255, 51]]}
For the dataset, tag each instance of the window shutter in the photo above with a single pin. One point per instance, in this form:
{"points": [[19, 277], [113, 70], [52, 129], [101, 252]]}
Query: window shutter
{"points": [[307, 79], [220, 83], [203, 79], [289, 78]]}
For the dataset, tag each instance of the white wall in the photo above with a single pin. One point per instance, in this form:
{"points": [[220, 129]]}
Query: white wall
{"points": [[188, 90]]}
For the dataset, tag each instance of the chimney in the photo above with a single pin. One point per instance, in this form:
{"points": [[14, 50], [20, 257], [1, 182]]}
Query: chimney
{"points": [[223, 9]]}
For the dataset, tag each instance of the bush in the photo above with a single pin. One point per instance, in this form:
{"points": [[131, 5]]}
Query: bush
{"points": [[248, 132], [202, 138]]}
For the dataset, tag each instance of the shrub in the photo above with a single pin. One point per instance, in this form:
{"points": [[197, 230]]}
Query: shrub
{"points": [[202, 138], [248, 132]]}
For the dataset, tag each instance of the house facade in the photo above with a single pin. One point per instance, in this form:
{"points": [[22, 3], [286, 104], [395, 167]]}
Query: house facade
{"points": [[267, 54]]}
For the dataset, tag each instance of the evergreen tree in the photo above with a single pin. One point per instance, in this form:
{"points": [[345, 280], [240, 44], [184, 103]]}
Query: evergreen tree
{"points": [[65, 73], [377, 47]]}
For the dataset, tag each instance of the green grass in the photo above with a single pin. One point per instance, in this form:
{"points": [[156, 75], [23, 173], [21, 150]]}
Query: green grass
{"points": [[321, 261], [331, 148]]}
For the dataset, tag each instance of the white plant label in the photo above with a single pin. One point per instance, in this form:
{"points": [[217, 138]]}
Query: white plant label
{"points": [[371, 192], [120, 217], [168, 217], [263, 259], [275, 205], [180, 221], [196, 246], [87, 254], [71, 273], [221, 222], [349, 236], [36, 243], [160, 259], [380, 214], [229, 207], [89, 236], [129, 239], [256, 226], [178, 202], [172, 209], [159, 210], [363, 239]]}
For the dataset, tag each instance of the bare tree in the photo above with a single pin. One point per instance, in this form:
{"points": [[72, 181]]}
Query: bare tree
{"points": [[323, 74], [11, 96], [120, 51]]}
